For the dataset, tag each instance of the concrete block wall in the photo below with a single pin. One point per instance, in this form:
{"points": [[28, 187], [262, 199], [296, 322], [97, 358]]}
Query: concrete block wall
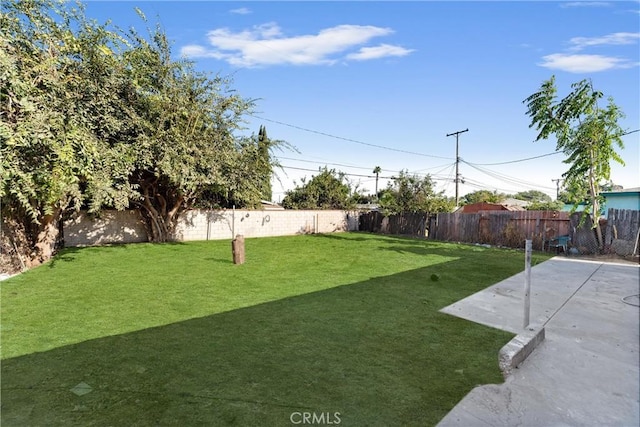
{"points": [[110, 227], [224, 224], [128, 227]]}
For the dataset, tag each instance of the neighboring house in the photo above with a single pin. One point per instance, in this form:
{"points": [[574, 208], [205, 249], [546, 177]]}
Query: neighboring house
{"points": [[628, 198], [514, 204], [368, 207], [482, 206], [270, 206], [568, 207]]}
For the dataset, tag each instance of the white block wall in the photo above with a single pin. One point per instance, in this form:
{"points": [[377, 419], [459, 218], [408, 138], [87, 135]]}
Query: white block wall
{"points": [[213, 225], [111, 227], [128, 227]]}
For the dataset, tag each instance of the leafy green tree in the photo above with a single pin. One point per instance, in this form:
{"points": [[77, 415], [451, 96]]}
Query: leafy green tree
{"points": [[410, 193], [95, 118], [587, 133], [482, 196], [539, 201], [532, 196], [187, 145], [327, 190], [63, 104], [545, 205], [264, 145]]}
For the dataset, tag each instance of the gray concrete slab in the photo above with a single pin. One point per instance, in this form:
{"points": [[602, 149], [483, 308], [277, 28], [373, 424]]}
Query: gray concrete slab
{"points": [[501, 305], [586, 372]]}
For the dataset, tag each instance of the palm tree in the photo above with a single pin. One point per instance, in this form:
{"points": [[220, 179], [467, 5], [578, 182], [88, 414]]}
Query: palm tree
{"points": [[377, 170]]}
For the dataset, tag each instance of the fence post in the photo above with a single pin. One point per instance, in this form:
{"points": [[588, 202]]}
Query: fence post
{"points": [[527, 282], [237, 249]]}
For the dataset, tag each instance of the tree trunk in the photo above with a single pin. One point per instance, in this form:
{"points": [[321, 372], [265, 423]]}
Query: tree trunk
{"points": [[47, 238], [160, 223]]}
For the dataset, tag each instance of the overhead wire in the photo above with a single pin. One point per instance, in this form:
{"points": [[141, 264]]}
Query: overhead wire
{"points": [[418, 172], [540, 156], [505, 178], [382, 147], [355, 174], [496, 175]]}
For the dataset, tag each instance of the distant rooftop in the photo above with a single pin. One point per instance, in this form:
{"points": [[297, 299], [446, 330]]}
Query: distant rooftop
{"points": [[624, 190]]}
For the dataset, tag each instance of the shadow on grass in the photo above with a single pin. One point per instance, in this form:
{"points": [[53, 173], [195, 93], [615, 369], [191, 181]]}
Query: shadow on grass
{"points": [[364, 236], [71, 253], [378, 352]]}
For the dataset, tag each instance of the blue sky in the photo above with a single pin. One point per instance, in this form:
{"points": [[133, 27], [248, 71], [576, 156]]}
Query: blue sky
{"points": [[337, 80]]}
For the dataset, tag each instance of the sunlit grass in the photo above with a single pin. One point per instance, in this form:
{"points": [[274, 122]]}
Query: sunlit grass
{"points": [[178, 334]]}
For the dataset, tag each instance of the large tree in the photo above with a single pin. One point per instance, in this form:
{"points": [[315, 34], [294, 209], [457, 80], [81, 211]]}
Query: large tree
{"points": [[587, 133], [482, 196], [532, 196], [63, 102], [93, 117], [264, 145], [185, 145], [327, 190], [411, 193]]}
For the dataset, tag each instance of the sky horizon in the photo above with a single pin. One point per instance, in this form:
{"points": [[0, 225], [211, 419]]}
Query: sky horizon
{"points": [[355, 85]]}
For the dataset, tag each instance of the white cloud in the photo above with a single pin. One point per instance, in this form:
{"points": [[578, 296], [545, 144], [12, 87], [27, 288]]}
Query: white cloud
{"points": [[267, 45], [579, 43], [584, 63], [585, 4], [381, 51], [241, 11]]}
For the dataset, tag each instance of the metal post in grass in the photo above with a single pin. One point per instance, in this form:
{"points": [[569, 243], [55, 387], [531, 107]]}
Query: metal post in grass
{"points": [[233, 222], [527, 282]]}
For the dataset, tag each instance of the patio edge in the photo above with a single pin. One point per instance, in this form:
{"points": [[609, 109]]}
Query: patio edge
{"points": [[519, 348]]}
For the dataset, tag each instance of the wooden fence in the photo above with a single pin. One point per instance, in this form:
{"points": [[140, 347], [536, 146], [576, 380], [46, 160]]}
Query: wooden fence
{"points": [[413, 224], [500, 228], [622, 232]]}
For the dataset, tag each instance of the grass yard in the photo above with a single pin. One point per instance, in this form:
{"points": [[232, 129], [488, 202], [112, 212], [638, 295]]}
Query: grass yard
{"points": [[176, 334]]}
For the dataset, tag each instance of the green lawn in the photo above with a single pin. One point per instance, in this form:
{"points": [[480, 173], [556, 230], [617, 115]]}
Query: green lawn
{"points": [[176, 334]]}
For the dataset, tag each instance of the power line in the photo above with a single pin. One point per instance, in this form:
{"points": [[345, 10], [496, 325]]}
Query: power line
{"points": [[540, 156], [519, 160], [382, 147], [416, 172], [328, 163], [355, 174], [344, 173], [506, 178]]}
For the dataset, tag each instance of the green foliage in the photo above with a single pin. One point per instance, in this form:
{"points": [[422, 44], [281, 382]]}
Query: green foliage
{"points": [[482, 196], [539, 201], [95, 118], [532, 196], [327, 190], [64, 110], [585, 132], [538, 205], [410, 193]]}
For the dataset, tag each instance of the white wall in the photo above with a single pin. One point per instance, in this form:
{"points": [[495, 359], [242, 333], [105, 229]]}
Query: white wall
{"points": [[111, 227], [128, 227], [213, 225]]}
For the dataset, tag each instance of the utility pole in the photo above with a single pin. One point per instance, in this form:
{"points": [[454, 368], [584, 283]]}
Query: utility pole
{"points": [[457, 160], [557, 181]]}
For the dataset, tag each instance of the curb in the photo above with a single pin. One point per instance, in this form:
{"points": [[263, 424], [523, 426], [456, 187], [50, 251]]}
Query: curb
{"points": [[519, 348]]}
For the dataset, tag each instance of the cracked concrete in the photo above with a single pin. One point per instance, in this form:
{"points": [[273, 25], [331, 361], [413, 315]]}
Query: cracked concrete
{"points": [[586, 372]]}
